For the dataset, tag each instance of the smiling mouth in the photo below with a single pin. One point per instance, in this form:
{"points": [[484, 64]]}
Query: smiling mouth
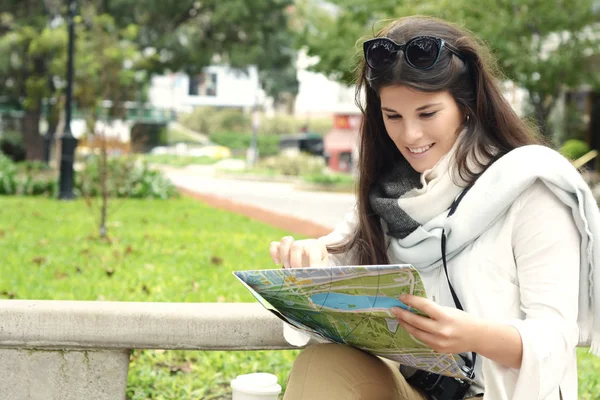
{"points": [[420, 150]]}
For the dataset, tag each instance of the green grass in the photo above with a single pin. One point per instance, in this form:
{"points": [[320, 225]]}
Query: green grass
{"points": [[589, 375], [177, 161], [330, 179], [171, 251]]}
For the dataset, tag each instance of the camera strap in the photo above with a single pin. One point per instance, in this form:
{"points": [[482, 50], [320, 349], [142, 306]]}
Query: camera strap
{"points": [[453, 208]]}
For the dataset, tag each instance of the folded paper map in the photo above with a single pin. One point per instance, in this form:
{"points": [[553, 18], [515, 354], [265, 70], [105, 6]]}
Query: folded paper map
{"points": [[350, 305]]}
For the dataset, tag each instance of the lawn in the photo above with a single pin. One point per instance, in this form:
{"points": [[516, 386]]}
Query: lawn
{"points": [[176, 251], [180, 161]]}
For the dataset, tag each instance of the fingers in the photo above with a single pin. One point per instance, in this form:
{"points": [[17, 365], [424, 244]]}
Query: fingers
{"points": [[422, 304], [305, 253], [274, 252], [298, 253], [415, 320], [284, 251], [318, 256]]}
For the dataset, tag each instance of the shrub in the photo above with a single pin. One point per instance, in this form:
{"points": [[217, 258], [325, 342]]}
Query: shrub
{"points": [[574, 148], [232, 120], [7, 175], [295, 164], [210, 120], [11, 144], [196, 121], [26, 179], [321, 126], [127, 177], [267, 145], [282, 124], [233, 140]]}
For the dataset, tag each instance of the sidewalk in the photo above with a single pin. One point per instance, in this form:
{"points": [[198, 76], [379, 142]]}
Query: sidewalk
{"points": [[294, 225], [306, 213]]}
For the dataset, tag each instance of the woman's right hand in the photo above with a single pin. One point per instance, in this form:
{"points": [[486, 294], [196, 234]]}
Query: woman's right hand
{"points": [[299, 253]]}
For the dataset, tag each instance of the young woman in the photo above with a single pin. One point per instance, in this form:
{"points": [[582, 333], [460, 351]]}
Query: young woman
{"points": [[519, 246]]}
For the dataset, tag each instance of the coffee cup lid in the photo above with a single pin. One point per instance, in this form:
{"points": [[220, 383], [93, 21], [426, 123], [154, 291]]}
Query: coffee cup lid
{"points": [[257, 383]]}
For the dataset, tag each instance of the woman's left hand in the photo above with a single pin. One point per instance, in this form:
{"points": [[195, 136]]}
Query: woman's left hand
{"points": [[448, 330]]}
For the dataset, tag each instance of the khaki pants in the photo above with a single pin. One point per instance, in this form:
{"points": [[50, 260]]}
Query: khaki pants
{"points": [[333, 371]]}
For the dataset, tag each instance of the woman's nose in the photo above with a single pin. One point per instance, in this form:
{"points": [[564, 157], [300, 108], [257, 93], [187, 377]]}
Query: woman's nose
{"points": [[412, 133]]}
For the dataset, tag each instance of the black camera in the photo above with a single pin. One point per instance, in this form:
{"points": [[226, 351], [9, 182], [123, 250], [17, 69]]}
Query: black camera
{"points": [[440, 387]]}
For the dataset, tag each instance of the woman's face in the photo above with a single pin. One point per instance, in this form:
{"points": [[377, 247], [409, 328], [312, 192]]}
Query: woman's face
{"points": [[424, 126]]}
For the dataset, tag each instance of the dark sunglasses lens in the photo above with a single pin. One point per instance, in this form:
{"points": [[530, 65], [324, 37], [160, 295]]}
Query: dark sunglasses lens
{"points": [[422, 52], [381, 54]]}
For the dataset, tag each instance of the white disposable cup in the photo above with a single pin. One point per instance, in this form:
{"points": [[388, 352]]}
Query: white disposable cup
{"points": [[258, 386]]}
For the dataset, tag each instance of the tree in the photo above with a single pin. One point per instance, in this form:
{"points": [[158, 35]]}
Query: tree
{"points": [[332, 32], [173, 35], [543, 46], [190, 35], [110, 65], [32, 52]]}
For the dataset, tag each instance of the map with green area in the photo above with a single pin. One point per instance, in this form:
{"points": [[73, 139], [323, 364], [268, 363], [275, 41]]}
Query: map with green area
{"points": [[350, 305]]}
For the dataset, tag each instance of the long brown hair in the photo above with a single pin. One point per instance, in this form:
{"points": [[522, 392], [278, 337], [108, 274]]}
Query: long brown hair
{"points": [[492, 129]]}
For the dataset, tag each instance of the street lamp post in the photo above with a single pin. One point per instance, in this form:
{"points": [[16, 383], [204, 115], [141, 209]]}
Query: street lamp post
{"points": [[68, 141], [254, 140]]}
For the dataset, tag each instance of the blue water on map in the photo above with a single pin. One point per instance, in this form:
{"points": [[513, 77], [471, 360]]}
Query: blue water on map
{"points": [[349, 302]]}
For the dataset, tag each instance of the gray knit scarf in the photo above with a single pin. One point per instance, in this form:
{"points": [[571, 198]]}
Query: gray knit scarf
{"points": [[384, 196]]}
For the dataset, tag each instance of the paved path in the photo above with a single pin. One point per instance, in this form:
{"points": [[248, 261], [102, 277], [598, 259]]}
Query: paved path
{"points": [[322, 208]]}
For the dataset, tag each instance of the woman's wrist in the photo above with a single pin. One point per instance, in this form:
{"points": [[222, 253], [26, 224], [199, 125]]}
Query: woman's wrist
{"points": [[481, 336], [498, 342]]}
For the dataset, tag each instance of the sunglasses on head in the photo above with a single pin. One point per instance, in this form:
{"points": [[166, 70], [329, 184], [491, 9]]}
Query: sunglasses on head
{"points": [[421, 52]]}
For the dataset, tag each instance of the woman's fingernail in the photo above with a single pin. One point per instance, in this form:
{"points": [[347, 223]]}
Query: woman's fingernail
{"points": [[403, 296]]}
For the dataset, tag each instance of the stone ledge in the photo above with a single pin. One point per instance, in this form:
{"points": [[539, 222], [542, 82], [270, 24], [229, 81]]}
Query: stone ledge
{"points": [[81, 325], [71, 325]]}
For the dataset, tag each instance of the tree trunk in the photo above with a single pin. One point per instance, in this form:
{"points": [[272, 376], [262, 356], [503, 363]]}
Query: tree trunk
{"points": [[32, 140], [104, 182]]}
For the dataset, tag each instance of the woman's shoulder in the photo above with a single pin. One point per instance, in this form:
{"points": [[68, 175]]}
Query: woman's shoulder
{"points": [[538, 195], [536, 154], [519, 168]]}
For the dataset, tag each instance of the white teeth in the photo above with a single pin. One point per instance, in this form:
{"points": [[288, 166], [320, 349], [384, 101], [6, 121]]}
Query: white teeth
{"points": [[420, 149]]}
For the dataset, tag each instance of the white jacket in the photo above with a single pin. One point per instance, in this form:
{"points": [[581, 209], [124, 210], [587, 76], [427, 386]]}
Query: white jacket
{"points": [[512, 274]]}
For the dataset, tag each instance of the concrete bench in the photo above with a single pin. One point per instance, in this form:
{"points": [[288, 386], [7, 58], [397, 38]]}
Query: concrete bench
{"points": [[73, 350]]}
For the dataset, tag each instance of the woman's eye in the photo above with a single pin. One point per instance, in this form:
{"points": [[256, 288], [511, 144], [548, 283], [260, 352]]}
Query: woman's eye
{"points": [[393, 116], [428, 115]]}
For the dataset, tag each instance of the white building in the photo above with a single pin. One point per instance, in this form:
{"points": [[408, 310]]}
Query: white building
{"points": [[221, 86], [217, 86], [318, 95]]}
